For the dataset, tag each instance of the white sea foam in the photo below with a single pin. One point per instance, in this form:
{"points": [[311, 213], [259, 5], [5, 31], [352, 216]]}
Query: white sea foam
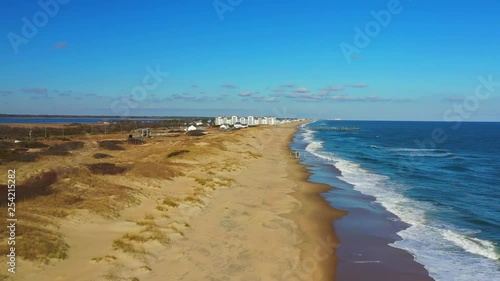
{"points": [[314, 146], [471, 244], [448, 254], [308, 135]]}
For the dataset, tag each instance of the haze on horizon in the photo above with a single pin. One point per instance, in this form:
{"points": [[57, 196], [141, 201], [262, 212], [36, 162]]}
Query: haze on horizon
{"points": [[363, 60]]}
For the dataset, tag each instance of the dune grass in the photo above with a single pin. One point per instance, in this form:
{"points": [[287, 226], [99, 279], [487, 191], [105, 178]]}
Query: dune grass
{"points": [[171, 202], [50, 195], [253, 154]]}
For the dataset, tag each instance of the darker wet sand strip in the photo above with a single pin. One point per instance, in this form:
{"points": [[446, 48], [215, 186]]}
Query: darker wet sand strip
{"points": [[315, 220]]}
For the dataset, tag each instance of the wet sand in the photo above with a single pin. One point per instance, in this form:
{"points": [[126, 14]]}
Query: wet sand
{"points": [[364, 253]]}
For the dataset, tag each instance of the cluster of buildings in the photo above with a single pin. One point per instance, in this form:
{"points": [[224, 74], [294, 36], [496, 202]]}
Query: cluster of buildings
{"points": [[245, 120]]}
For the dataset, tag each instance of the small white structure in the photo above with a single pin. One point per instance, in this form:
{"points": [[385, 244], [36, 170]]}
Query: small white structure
{"points": [[141, 133], [191, 128], [223, 127]]}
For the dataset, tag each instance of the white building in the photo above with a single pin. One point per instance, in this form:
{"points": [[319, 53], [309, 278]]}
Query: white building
{"points": [[191, 128], [250, 121], [219, 121], [234, 119]]}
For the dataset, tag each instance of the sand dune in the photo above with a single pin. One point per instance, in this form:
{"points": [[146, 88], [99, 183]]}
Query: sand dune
{"points": [[233, 206]]}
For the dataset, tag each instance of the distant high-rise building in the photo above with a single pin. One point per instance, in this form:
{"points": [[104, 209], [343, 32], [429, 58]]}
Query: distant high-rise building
{"points": [[234, 119], [250, 121], [219, 120]]}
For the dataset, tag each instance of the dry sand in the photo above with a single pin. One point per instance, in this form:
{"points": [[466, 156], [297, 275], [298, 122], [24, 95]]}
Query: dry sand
{"points": [[235, 207]]}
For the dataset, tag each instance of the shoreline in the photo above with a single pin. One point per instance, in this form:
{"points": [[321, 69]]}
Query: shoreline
{"points": [[315, 219]]}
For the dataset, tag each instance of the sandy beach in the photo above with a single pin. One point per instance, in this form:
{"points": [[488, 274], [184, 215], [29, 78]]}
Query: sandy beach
{"points": [[224, 206]]}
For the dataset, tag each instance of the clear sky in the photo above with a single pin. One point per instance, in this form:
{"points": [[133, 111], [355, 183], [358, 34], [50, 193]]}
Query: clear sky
{"points": [[372, 59]]}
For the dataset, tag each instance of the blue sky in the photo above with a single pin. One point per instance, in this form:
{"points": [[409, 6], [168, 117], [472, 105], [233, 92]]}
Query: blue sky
{"points": [[420, 60]]}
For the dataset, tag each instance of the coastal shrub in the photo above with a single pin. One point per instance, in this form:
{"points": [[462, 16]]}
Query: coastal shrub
{"points": [[195, 133], [111, 145], [176, 153], [60, 138], [33, 144], [102, 156], [19, 155], [64, 148], [135, 141], [106, 169], [35, 186], [6, 145]]}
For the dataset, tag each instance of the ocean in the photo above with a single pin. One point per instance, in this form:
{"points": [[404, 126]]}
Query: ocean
{"points": [[431, 189]]}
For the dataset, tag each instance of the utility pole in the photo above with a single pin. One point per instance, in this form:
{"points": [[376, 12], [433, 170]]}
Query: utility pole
{"points": [[31, 131], [45, 131]]}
